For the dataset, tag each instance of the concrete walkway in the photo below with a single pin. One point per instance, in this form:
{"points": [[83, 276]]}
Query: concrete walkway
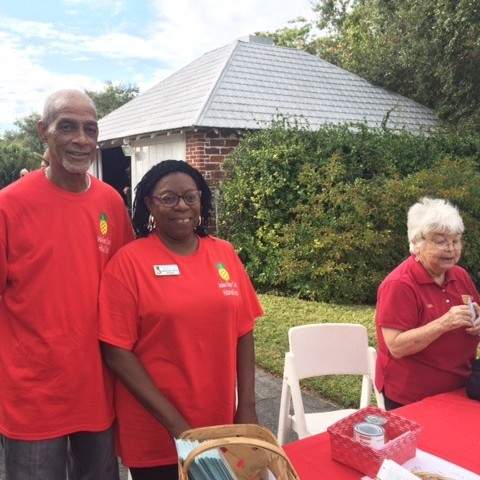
{"points": [[269, 389]]}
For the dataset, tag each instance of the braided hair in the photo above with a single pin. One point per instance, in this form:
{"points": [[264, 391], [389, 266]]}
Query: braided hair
{"points": [[145, 188]]}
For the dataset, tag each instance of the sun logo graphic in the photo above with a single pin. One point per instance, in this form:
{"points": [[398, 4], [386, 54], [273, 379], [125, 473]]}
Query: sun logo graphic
{"points": [[223, 272], [103, 224]]}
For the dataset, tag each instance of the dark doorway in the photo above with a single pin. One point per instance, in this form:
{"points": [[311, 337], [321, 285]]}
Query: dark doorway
{"points": [[116, 172]]}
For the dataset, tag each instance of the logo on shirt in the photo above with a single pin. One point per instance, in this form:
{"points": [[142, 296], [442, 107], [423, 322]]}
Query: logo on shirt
{"points": [[229, 288], [104, 242], [103, 223], [223, 272]]}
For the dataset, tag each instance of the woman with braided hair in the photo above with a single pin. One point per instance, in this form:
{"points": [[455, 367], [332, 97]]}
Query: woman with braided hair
{"points": [[177, 311]]}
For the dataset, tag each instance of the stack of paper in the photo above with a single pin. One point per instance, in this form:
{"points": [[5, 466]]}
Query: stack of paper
{"points": [[392, 471], [424, 462], [207, 465]]}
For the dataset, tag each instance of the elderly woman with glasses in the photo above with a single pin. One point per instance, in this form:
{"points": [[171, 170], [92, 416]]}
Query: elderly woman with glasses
{"points": [[427, 332], [177, 311]]}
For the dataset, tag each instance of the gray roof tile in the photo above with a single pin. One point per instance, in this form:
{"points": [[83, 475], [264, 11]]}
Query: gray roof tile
{"points": [[246, 84]]}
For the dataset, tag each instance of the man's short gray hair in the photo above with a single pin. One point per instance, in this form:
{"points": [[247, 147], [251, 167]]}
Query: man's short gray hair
{"points": [[55, 101], [432, 215]]}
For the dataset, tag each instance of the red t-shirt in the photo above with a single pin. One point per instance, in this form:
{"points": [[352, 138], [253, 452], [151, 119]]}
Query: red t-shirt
{"points": [[54, 245], [409, 298], [183, 328]]}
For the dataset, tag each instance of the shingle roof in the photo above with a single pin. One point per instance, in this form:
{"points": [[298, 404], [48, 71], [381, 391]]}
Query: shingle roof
{"points": [[246, 84]]}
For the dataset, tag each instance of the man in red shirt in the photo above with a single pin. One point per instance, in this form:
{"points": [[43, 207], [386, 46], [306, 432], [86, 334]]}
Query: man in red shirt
{"points": [[58, 229]]}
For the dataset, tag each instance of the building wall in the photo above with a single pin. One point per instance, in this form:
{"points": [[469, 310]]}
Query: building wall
{"points": [[206, 149], [147, 153]]}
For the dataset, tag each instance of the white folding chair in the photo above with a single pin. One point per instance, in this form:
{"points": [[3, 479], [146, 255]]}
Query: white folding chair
{"points": [[323, 349]]}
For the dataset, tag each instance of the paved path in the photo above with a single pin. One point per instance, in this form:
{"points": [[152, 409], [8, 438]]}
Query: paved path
{"points": [[269, 389]]}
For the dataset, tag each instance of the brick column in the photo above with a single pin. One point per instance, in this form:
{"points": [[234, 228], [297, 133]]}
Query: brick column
{"points": [[206, 150]]}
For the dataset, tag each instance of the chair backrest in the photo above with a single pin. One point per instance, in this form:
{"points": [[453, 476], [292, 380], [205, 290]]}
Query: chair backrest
{"points": [[329, 349]]}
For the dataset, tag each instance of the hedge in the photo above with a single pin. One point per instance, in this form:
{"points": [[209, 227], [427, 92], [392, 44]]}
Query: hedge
{"points": [[322, 215]]}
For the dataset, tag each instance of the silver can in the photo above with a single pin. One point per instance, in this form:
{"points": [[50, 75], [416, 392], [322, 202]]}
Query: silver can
{"points": [[369, 434], [376, 420]]}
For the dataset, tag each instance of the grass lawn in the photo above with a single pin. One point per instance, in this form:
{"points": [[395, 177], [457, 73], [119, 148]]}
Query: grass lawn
{"points": [[271, 339]]}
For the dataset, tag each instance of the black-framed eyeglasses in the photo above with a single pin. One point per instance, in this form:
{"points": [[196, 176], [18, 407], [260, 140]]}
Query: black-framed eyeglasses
{"points": [[171, 199]]}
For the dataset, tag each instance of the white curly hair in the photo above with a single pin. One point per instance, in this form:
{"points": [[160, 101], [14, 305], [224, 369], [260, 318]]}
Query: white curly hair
{"points": [[432, 215]]}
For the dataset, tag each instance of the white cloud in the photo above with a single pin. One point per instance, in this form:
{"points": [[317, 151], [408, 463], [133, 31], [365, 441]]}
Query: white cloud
{"points": [[187, 28], [121, 45], [110, 45], [181, 31], [25, 84]]}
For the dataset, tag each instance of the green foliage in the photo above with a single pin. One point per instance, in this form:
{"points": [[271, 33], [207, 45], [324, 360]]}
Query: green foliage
{"points": [[14, 157], [428, 50], [271, 340], [112, 97], [23, 148], [350, 235], [322, 215], [298, 34], [26, 135]]}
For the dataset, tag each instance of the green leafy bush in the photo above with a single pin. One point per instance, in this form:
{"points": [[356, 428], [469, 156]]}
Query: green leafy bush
{"points": [[322, 215], [13, 158]]}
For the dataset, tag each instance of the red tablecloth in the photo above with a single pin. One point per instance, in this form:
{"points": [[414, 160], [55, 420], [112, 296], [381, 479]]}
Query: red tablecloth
{"points": [[450, 429]]}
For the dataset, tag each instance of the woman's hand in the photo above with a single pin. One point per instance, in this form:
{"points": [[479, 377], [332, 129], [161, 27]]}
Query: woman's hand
{"points": [[178, 428], [475, 328], [458, 316], [402, 343]]}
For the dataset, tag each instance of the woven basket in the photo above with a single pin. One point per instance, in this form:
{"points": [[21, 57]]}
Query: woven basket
{"points": [[249, 449], [401, 441]]}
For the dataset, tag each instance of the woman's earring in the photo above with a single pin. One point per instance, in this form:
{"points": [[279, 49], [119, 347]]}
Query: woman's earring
{"points": [[151, 223], [199, 221]]}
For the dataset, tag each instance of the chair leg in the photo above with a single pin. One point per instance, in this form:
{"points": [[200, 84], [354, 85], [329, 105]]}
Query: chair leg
{"points": [[284, 421], [366, 391]]}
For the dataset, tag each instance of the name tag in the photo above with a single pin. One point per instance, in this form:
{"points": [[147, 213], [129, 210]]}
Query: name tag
{"points": [[166, 270]]}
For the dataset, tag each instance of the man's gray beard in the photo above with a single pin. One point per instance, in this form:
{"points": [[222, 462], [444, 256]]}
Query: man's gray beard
{"points": [[76, 169]]}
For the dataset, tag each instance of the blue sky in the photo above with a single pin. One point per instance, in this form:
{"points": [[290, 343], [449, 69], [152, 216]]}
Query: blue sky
{"points": [[56, 44]]}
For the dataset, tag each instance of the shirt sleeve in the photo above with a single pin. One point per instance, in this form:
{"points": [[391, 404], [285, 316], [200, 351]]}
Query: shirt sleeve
{"points": [[250, 308], [397, 306], [128, 234], [3, 254], [123, 225], [118, 312]]}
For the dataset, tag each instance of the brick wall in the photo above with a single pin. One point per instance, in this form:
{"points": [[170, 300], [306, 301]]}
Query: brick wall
{"points": [[207, 149]]}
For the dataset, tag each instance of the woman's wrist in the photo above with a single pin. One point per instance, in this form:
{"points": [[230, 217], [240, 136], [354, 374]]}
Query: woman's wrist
{"points": [[442, 324], [248, 401], [178, 427]]}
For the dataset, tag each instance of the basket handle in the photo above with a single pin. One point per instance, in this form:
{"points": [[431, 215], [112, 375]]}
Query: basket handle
{"points": [[224, 442]]}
